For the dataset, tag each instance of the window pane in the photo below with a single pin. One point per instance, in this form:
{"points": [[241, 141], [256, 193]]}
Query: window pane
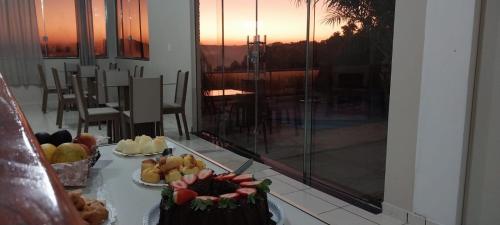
{"points": [[119, 26], [99, 11], [145, 27], [60, 28], [41, 28], [132, 16]]}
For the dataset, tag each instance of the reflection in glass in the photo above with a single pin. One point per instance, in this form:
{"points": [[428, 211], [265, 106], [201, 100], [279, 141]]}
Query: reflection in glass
{"points": [[57, 27], [254, 66], [99, 20], [349, 95], [133, 31]]}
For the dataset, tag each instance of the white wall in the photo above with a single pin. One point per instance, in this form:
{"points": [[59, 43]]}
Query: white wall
{"points": [[444, 115], [404, 102], [432, 76], [482, 204]]}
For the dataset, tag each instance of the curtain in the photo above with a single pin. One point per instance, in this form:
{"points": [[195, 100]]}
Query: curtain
{"points": [[85, 32], [19, 42]]}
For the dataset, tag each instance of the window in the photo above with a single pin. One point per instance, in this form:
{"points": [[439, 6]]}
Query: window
{"points": [[57, 28], [100, 42], [132, 28]]}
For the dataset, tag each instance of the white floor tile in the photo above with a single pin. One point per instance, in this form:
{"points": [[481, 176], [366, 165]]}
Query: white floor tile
{"points": [[330, 199], [309, 202], [343, 217], [378, 218]]}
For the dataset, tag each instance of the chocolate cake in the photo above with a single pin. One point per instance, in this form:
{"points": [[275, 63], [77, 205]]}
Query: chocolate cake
{"points": [[206, 199]]}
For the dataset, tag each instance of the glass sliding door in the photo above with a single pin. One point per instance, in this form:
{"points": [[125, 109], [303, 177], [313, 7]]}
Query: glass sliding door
{"points": [[282, 26], [210, 65], [239, 72], [349, 96], [302, 86]]}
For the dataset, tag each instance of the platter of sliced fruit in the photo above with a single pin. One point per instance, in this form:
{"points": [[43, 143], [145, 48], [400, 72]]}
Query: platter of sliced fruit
{"points": [[167, 170]]}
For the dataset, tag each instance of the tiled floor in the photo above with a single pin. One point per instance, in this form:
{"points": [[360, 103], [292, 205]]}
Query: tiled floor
{"points": [[326, 207]]}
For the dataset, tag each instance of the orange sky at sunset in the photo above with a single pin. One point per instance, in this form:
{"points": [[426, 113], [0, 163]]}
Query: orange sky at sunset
{"points": [[60, 20], [280, 20]]}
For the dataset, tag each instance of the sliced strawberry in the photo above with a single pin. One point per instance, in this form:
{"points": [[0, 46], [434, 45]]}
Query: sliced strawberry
{"points": [[189, 179], [251, 184], [178, 185], [208, 198], [227, 176], [183, 196], [205, 173], [232, 196], [246, 191], [243, 178]]}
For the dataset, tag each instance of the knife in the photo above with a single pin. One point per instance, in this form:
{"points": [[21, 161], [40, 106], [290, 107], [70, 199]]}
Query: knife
{"points": [[244, 167]]}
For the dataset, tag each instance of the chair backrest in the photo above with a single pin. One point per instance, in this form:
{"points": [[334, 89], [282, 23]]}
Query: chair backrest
{"points": [[146, 99], [135, 71], [43, 79], [113, 66], [181, 88], [82, 108], [86, 71], [116, 78], [57, 82], [101, 91], [141, 72], [69, 69]]}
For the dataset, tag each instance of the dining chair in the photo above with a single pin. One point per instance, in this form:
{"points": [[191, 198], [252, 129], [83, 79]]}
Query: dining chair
{"points": [[178, 107], [89, 115], [69, 70], [65, 100], [89, 73], [135, 70], [111, 77], [141, 72], [45, 88], [113, 66], [146, 100]]}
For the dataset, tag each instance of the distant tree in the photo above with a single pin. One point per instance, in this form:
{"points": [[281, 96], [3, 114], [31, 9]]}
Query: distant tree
{"points": [[373, 16], [235, 65]]}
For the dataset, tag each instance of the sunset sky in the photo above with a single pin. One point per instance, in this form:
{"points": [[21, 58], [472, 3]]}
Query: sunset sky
{"points": [[280, 20], [60, 20]]}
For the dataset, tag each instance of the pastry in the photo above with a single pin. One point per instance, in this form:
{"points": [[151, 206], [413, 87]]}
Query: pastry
{"points": [[189, 170], [189, 161], [76, 198], [93, 212], [151, 175], [148, 163], [173, 175], [170, 163]]}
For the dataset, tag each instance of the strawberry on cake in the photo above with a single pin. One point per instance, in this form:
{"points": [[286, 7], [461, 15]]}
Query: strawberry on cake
{"points": [[209, 199]]}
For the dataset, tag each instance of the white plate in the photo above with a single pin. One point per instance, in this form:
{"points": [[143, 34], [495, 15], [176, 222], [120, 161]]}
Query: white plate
{"points": [[134, 155], [153, 215], [136, 177]]}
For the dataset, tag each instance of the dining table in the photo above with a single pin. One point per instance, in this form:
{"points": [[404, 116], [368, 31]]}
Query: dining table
{"points": [[129, 202]]}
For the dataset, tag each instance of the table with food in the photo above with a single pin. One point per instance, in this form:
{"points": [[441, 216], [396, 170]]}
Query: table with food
{"points": [[153, 181]]}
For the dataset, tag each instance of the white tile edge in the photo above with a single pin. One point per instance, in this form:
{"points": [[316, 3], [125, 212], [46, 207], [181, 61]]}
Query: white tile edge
{"points": [[395, 212], [404, 216]]}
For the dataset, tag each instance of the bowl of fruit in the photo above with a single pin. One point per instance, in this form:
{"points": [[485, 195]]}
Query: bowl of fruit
{"points": [[70, 158]]}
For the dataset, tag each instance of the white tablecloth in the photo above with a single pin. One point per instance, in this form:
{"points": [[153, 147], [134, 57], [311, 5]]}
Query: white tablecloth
{"points": [[111, 179]]}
